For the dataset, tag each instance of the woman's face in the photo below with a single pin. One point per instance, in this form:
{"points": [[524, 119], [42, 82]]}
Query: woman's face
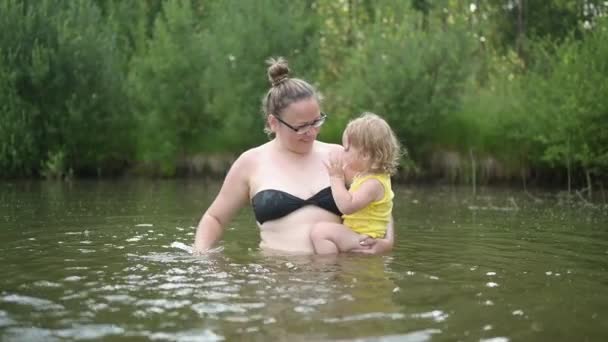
{"points": [[301, 116]]}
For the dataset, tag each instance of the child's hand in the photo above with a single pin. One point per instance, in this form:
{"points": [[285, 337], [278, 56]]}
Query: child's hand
{"points": [[335, 167]]}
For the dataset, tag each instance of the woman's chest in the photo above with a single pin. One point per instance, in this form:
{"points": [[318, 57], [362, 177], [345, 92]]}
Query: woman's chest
{"points": [[299, 179]]}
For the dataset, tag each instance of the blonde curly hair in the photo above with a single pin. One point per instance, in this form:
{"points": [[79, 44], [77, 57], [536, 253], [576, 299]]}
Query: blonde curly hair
{"points": [[372, 135]]}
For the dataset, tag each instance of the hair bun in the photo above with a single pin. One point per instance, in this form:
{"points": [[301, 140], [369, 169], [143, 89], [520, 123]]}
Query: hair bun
{"points": [[278, 71]]}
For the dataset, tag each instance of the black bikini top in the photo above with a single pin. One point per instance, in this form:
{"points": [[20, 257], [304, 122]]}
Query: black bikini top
{"points": [[273, 204]]}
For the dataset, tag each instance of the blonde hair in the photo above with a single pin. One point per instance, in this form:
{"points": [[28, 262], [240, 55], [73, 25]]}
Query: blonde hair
{"points": [[284, 90], [372, 135]]}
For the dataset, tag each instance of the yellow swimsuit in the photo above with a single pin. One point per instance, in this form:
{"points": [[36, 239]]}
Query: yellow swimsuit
{"points": [[373, 219]]}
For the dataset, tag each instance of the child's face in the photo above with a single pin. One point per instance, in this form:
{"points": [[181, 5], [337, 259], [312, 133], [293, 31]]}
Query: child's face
{"points": [[354, 160]]}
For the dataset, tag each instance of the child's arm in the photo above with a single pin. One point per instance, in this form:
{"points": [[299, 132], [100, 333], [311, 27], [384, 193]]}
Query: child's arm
{"points": [[350, 202]]}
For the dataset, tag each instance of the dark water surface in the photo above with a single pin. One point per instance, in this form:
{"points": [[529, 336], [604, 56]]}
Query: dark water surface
{"points": [[104, 261]]}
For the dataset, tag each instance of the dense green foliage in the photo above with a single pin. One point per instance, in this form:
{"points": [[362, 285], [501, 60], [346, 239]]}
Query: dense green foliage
{"points": [[62, 80], [478, 90]]}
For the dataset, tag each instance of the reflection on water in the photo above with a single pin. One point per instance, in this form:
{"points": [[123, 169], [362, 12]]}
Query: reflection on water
{"points": [[111, 261]]}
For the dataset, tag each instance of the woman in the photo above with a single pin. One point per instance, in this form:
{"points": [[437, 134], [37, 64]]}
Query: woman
{"points": [[284, 179]]}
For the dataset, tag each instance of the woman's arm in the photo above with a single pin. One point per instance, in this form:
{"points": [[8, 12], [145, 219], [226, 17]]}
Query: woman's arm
{"points": [[232, 196]]}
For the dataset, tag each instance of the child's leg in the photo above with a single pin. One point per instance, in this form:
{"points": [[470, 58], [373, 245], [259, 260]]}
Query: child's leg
{"points": [[331, 238]]}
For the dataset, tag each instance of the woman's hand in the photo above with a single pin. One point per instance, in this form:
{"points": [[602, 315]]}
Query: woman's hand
{"points": [[207, 252], [373, 246], [377, 246]]}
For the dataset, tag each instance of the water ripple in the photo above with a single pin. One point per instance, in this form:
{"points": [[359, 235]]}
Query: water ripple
{"points": [[36, 303]]}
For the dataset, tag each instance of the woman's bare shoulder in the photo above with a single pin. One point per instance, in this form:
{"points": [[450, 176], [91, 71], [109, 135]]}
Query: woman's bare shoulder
{"points": [[327, 147], [251, 156]]}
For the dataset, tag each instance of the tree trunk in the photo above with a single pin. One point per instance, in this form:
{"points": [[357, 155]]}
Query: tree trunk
{"points": [[568, 169], [425, 21], [523, 179], [588, 175], [473, 172], [521, 28], [569, 176], [351, 23]]}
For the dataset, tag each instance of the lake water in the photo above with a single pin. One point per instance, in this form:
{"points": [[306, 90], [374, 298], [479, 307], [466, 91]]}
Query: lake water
{"points": [[101, 260]]}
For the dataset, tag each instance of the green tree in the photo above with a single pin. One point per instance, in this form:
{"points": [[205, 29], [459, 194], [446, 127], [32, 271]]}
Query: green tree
{"points": [[413, 78], [167, 88], [63, 75]]}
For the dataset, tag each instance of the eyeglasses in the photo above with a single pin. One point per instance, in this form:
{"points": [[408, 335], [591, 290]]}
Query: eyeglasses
{"points": [[303, 129]]}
